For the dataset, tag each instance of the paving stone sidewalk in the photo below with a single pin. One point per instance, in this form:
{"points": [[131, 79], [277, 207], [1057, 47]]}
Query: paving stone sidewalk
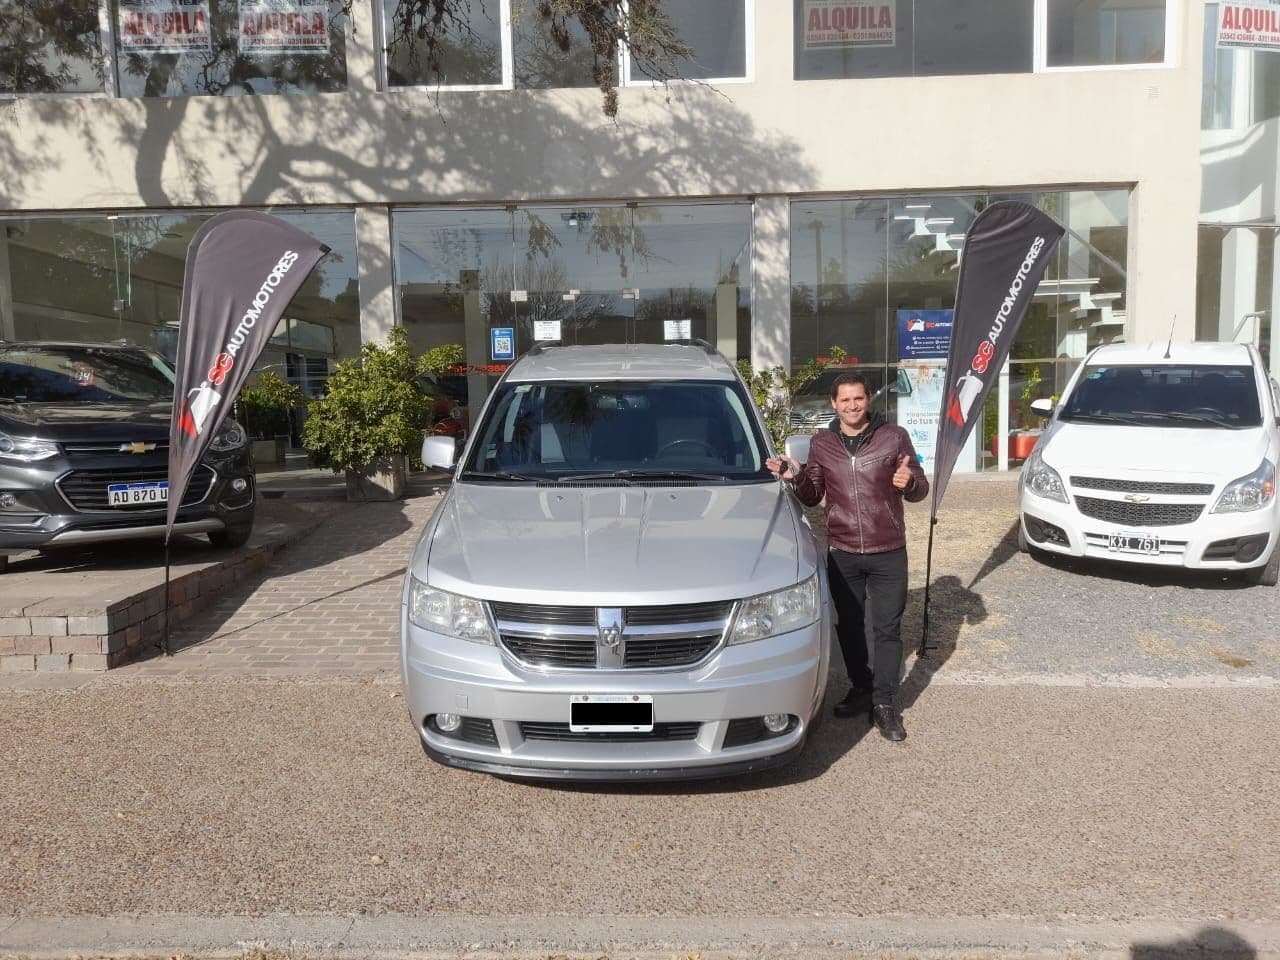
{"points": [[326, 606]]}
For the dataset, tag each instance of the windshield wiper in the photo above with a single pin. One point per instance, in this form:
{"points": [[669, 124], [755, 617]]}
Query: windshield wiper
{"points": [[1189, 417], [497, 475], [630, 475], [1099, 418]]}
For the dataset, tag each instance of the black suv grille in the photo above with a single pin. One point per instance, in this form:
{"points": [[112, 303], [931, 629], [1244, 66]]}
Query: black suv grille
{"points": [[87, 489]]}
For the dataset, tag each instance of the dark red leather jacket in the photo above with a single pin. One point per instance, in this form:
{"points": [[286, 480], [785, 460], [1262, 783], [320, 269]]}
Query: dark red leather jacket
{"points": [[864, 509]]}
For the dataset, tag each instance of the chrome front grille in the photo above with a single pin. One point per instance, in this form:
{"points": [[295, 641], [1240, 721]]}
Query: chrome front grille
{"points": [[1143, 486], [1139, 514], [87, 489], [653, 637]]}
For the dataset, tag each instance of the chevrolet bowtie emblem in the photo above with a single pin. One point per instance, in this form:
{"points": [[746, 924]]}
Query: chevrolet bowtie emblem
{"points": [[137, 447], [1136, 497]]}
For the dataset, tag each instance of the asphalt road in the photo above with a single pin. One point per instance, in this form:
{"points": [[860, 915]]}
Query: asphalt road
{"points": [[1091, 771]]}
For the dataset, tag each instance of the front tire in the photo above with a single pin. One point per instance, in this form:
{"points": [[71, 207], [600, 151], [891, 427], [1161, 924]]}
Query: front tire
{"points": [[1269, 573], [236, 536]]}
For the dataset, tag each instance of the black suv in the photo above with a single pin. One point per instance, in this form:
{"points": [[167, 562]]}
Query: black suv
{"points": [[84, 452]]}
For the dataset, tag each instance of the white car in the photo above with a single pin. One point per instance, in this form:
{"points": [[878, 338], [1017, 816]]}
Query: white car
{"points": [[1161, 453]]}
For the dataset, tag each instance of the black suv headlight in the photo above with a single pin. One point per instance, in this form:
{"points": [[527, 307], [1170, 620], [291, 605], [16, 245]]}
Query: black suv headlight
{"points": [[230, 436], [26, 449]]}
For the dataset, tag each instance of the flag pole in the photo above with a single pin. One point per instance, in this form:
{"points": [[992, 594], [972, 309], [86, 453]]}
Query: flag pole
{"points": [[928, 579], [164, 635]]}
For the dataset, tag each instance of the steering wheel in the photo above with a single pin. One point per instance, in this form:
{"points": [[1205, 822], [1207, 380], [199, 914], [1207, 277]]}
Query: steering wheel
{"points": [[688, 441], [1207, 412]]}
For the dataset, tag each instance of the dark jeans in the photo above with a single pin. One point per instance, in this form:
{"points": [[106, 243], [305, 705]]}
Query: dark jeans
{"points": [[869, 591]]}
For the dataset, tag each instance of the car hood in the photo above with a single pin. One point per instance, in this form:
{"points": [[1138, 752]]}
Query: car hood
{"points": [[88, 421], [595, 546], [1138, 451]]}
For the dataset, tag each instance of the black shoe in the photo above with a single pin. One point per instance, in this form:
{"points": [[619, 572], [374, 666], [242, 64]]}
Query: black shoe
{"points": [[854, 704], [888, 722]]}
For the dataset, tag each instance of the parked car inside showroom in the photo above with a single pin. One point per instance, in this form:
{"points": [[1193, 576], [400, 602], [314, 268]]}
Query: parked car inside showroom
{"points": [[614, 586], [84, 450], [1160, 453]]}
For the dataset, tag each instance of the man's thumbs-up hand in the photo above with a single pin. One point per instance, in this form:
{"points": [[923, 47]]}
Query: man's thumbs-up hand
{"points": [[902, 476]]}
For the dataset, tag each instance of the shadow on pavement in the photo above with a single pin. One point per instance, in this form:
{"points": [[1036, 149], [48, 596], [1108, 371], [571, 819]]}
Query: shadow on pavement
{"points": [[1208, 943]]}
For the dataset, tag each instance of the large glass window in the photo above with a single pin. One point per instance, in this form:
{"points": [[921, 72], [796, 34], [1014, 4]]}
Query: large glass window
{"points": [[99, 278], [643, 273], [1095, 32], [509, 44], [50, 47], [864, 270], [175, 48]]}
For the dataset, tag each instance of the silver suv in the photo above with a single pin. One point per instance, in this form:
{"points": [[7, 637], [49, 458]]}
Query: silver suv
{"points": [[614, 587]]}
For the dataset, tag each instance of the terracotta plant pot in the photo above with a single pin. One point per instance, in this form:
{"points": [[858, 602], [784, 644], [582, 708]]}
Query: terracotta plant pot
{"points": [[1021, 443]]}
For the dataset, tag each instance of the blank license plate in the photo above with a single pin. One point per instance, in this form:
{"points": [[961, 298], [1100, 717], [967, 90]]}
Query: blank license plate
{"points": [[611, 713], [1144, 543], [132, 494]]}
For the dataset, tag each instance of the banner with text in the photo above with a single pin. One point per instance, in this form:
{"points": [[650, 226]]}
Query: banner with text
{"points": [[1253, 25], [243, 268], [924, 336], [164, 26], [831, 24], [1006, 252], [284, 26]]}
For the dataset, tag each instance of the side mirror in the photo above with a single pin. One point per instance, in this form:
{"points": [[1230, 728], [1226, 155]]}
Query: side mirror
{"points": [[797, 447], [903, 385], [439, 452], [1042, 407]]}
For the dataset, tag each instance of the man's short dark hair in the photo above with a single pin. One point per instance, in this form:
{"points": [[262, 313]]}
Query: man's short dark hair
{"points": [[850, 379]]}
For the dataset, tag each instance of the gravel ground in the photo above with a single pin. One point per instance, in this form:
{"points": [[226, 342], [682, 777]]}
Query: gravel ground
{"points": [[1088, 745]]}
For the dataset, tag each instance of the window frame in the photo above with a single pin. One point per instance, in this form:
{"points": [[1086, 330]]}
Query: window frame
{"points": [[1040, 44]]}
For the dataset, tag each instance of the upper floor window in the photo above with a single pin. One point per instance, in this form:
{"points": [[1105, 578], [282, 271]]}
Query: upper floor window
{"points": [[175, 48], [50, 47], [920, 38], [506, 44]]}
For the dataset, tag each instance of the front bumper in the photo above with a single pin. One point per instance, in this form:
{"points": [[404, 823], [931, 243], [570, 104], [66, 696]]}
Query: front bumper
{"points": [[47, 514], [1212, 541], [516, 717]]}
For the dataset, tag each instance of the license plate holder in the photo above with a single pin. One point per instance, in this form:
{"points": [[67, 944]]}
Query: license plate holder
{"points": [[611, 713], [1134, 541], [137, 494]]}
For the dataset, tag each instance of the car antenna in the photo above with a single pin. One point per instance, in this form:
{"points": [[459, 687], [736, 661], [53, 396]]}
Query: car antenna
{"points": [[1169, 348]]}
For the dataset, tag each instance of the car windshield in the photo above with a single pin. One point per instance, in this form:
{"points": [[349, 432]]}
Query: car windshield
{"points": [[1187, 395], [82, 374], [618, 430]]}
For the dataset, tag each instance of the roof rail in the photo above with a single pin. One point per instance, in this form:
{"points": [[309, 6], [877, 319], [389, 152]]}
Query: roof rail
{"points": [[541, 345]]}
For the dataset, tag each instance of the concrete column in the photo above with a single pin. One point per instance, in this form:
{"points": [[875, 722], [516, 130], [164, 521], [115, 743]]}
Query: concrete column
{"points": [[1274, 355], [725, 318], [475, 342], [771, 283], [1162, 259], [1239, 286], [6, 290], [374, 270], [362, 48]]}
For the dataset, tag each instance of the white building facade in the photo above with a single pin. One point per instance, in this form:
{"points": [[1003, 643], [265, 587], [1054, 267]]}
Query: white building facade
{"points": [[809, 187]]}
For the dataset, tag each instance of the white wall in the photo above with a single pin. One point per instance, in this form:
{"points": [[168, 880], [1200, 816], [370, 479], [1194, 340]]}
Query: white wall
{"points": [[771, 137]]}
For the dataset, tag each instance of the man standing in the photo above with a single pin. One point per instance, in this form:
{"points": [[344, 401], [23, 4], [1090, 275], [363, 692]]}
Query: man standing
{"points": [[864, 467]]}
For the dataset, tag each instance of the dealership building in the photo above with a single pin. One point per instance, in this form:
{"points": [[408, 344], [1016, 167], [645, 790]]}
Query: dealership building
{"points": [[807, 184]]}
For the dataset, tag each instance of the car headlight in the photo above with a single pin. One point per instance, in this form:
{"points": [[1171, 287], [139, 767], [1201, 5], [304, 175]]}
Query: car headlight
{"points": [[448, 613], [230, 436], [772, 613], [26, 449], [1042, 480], [1249, 493]]}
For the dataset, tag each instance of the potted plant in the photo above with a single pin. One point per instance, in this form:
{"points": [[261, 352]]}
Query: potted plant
{"points": [[1023, 437], [371, 419], [263, 409], [774, 390]]}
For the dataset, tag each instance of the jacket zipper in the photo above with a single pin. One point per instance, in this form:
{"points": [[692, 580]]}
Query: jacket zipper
{"points": [[857, 507]]}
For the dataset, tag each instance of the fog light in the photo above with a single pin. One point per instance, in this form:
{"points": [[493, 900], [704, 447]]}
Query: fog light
{"points": [[239, 484], [8, 500], [776, 722], [448, 722]]}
